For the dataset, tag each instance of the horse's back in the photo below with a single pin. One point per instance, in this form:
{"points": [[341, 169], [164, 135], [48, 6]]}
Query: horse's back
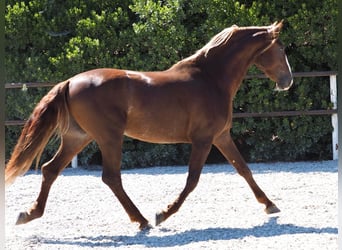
{"points": [[164, 107]]}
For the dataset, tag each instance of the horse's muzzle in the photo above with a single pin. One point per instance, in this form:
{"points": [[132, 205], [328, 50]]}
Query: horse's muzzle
{"points": [[284, 83]]}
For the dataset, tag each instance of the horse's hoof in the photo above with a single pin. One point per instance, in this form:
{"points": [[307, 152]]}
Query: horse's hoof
{"points": [[145, 227], [22, 218], [159, 218], [272, 209]]}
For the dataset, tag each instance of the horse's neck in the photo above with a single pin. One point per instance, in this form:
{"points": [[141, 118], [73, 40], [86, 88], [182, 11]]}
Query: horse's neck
{"points": [[233, 65], [226, 67], [226, 74]]}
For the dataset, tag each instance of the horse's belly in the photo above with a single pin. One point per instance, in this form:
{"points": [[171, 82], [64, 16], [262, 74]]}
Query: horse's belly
{"points": [[158, 132]]}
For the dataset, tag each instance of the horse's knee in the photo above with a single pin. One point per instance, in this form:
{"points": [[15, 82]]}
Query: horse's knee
{"points": [[114, 182], [106, 180], [244, 171]]}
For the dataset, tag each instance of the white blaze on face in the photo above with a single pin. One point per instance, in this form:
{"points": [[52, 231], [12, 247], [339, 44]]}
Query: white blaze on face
{"points": [[290, 84], [138, 75], [288, 65]]}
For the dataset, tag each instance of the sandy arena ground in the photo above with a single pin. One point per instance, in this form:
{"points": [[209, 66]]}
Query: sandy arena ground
{"points": [[221, 213]]}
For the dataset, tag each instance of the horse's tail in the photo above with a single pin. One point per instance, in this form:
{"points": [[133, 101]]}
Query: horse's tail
{"points": [[50, 114]]}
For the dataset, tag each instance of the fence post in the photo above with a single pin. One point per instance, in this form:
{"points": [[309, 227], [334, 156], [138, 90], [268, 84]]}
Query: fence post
{"points": [[334, 120], [74, 163]]}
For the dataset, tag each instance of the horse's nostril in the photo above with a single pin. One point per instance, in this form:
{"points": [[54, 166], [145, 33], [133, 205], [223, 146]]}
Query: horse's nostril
{"points": [[284, 84]]}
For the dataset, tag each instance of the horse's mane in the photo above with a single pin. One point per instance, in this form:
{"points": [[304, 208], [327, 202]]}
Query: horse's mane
{"points": [[218, 40]]}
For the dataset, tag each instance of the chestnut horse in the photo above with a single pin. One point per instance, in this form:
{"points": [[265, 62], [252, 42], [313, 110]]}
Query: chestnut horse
{"points": [[191, 102]]}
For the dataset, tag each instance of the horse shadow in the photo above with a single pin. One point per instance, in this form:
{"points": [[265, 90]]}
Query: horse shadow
{"points": [[270, 228]]}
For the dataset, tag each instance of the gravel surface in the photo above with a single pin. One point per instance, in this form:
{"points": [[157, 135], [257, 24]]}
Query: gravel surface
{"points": [[221, 213]]}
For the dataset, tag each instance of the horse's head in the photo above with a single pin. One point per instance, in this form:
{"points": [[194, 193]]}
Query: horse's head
{"points": [[273, 61]]}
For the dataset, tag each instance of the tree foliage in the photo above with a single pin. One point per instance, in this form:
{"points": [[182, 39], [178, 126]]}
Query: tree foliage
{"points": [[52, 40]]}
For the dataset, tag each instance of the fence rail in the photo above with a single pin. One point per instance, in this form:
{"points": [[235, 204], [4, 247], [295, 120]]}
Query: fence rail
{"points": [[332, 112]]}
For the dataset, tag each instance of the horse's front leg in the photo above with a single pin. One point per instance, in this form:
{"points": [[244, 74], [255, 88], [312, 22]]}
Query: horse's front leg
{"points": [[227, 147], [199, 154]]}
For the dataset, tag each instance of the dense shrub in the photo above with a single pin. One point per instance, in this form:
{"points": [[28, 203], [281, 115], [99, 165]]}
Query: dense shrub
{"points": [[45, 45]]}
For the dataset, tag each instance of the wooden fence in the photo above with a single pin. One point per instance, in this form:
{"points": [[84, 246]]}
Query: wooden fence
{"points": [[332, 112]]}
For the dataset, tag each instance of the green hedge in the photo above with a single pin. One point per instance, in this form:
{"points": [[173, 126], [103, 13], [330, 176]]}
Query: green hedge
{"points": [[45, 45]]}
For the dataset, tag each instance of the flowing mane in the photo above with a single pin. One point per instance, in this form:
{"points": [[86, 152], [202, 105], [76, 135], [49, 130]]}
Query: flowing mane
{"points": [[223, 38], [218, 40]]}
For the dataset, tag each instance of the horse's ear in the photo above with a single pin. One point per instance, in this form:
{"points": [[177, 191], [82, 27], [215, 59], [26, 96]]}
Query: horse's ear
{"points": [[279, 25], [275, 29]]}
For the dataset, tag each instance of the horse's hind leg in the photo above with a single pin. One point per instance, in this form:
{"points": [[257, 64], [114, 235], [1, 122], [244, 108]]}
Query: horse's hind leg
{"points": [[227, 147], [111, 176], [71, 144]]}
